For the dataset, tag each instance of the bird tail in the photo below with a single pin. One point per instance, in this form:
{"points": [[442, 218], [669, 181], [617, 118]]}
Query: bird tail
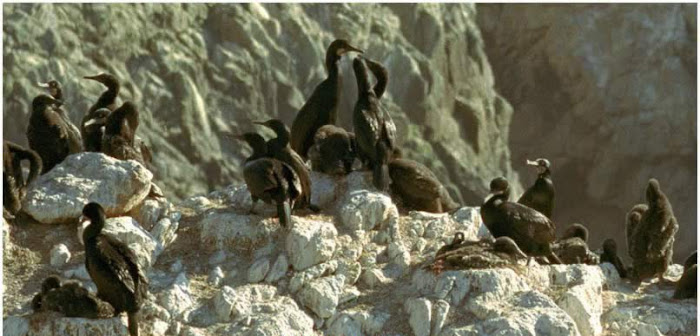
{"points": [[381, 176], [133, 324], [284, 212]]}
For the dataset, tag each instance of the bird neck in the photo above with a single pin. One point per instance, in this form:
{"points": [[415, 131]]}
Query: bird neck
{"points": [[545, 175], [362, 78], [332, 63], [108, 97], [59, 94], [93, 230]]}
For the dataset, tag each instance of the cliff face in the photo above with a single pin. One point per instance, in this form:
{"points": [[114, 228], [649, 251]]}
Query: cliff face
{"points": [[196, 71], [608, 94]]}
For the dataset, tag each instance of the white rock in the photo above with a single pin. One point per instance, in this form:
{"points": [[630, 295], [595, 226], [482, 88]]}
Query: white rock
{"points": [[351, 270], [373, 277], [60, 195], [176, 267], [322, 295], [310, 243], [258, 270], [53, 324], [15, 326], [164, 233], [216, 276], [80, 272], [419, 311], [229, 230], [232, 304], [148, 212], [324, 189], [584, 302], [349, 294], [177, 297], [344, 325], [440, 310], [366, 210], [311, 273], [128, 231], [60, 255], [217, 257], [469, 221], [278, 270]]}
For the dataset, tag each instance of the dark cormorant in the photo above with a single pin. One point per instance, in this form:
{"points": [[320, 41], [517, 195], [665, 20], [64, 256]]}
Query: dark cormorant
{"points": [[651, 238], [70, 299], [530, 229], [321, 108], [76, 140], [610, 255], [48, 284], [691, 260], [418, 188], [47, 133], [509, 247], [119, 140], [687, 286], [92, 136], [333, 152], [576, 230], [269, 179], [114, 268], [456, 242], [13, 181], [278, 148], [541, 195], [375, 131]]}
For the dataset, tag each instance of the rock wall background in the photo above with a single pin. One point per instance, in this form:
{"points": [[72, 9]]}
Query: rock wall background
{"points": [[608, 93]]}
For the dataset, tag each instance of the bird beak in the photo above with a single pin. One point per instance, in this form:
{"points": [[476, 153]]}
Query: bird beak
{"points": [[44, 85], [492, 194], [95, 77], [532, 163], [94, 121], [351, 48], [263, 123]]}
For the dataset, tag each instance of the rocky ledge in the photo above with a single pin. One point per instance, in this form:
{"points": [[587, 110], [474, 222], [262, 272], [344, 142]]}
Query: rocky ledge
{"points": [[356, 268]]}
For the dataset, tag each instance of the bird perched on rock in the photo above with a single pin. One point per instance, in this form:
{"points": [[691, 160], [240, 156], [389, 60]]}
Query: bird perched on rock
{"points": [[375, 132], [650, 236], [321, 107], [540, 196], [269, 179], [691, 260], [610, 256], [92, 133], [530, 229], [687, 286], [113, 268], [119, 139], [278, 148], [418, 188], [333, 151], [478, 254], [13, 181], [576, 230], [47, 132], [70, 299], [456, 242], [76, 140]]}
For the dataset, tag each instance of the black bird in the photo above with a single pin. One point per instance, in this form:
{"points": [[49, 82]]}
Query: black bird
{"points": [[456, 242], [47, 132], [321, 108], [509, 247], [269, 179], [113, 268], [687, 286], [334, 151], [691, 260], [576, 230], [13, 181], [530, 229], [76, 140], [375, 131], [418, 188], [278, 148], [610, 255], [92, 134], [540, 196], [651, 238], [70, 299], [119, 139]]}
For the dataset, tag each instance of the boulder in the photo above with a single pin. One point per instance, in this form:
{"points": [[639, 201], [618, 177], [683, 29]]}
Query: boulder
{"points": [[419, 311], [322, 295], [366, 210], [310, 243], [59, 255], [60, 195], [177, 297], [235, 231]]}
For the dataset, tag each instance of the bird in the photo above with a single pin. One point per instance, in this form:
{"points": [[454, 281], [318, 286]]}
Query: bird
{"points": [[71, 299], [576, 230], [650, 238], [687, 286], [333, 151], [278, 148], [113, 268], [13, 181], [508, 247], [76, 140], [375, 132], [632, 221], [321, 107], [456, 242], [92, 136], [119, 139], [574, 250], [540, 196], [418, 188], [610, 255], [691, 260], [530, 229], [47, 133], [269, 179]]}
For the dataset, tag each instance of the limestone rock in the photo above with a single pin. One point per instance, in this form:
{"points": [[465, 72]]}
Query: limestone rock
{"points": [[322, 295], [231, 230], [419, 311], [140, 241], [60, 195], [258, 270], [366, 210], [59, 255], [47, 324], [310, 243], [278, 270], [177, 297]]}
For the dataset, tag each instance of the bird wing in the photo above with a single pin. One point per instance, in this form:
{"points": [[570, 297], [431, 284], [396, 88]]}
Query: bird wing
{"points": [[530, 223], [292, 179], [420, 181], [259, 175], [122, 261]]}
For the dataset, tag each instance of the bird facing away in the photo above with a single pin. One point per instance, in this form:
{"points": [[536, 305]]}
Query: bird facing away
{"points": [[530, 229], [651, 237], [92, 133], [70, 299], [13, 181], [576, 230], [540, 196], [113, 268], [417, 187], [47, 132], [375, 132], [278, 148], [687, 286], [610, 255], [269, 179], [48, 284], [119, 139], [322, 106], [76, 140], [334, 151]]}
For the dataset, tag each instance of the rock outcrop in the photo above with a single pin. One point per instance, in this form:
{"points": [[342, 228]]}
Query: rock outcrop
{"points": [[608, 94]]}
